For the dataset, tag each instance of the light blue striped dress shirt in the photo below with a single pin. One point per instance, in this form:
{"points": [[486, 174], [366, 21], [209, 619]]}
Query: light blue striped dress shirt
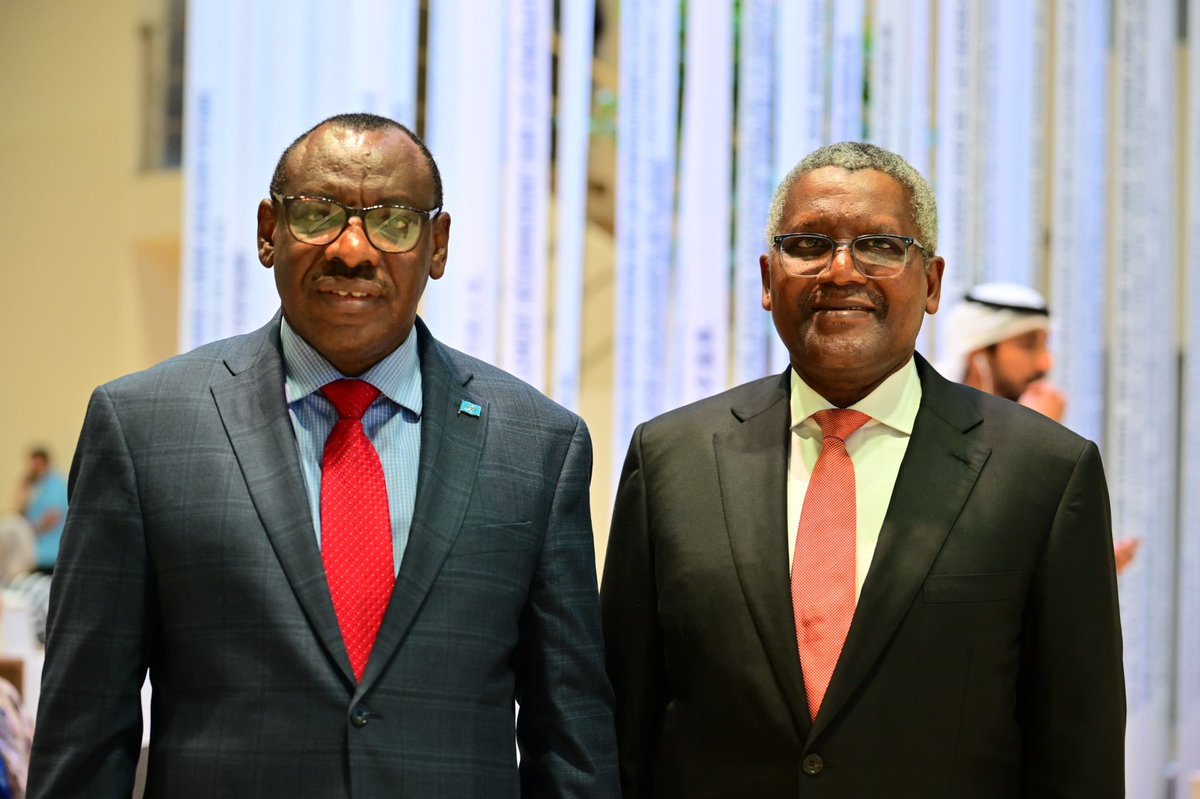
{"points": [[392, 423]]}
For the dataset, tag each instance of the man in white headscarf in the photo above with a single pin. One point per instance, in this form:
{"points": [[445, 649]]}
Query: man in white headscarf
{"points": [[997, 342]]}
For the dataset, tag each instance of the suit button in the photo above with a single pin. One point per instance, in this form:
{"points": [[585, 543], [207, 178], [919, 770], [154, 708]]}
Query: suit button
{"points": [[359, 716], [812, 765]]}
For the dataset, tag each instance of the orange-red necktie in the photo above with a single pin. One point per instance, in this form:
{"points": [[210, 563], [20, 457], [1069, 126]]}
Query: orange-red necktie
{"points": [[823, 568], [356, 529]]}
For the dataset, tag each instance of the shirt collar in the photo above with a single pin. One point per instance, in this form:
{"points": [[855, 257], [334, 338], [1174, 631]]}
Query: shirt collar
{"points": [[397, 376], [894, 402]]}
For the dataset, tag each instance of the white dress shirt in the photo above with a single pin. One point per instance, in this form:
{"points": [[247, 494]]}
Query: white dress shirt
{"points": [[876, 449]]}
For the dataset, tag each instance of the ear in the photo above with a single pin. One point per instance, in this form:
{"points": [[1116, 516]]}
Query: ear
{"points": [[266, 233], [764, 266], [441, 245], [933, 284]]}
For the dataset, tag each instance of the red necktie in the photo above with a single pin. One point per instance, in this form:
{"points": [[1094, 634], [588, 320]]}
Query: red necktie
{"points": [[356, 530], [823, 567]]}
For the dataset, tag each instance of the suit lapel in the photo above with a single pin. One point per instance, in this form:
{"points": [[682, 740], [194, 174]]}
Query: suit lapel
{"points": [[253, 409], [751, 465], [918, 519], [451, 443]]}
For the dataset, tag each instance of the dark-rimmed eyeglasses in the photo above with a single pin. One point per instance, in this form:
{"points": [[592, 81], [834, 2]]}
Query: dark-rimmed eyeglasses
{"points": [[875, 254], [319, 220]]}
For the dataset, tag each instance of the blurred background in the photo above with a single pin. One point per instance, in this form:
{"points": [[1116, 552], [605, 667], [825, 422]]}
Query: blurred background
{"points": [[608, 167]]}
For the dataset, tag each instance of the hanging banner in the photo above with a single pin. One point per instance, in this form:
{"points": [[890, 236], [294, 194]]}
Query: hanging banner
{"points": [[1010, 217], [1187, 691], [702, 257], [571, 176], [846, 71], [1141, 443], [465, 113], [525, 238], [207, 146], [889, 78], [915, 146], [646, 135], [752, 329], [1077, 211], [955, 137]]}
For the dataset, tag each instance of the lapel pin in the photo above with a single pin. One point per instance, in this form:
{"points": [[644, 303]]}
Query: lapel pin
{"points": [[469, 408]]}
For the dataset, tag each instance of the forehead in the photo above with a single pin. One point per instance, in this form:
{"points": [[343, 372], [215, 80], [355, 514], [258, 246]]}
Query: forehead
{"points": [[833, 196], [360, 167]]}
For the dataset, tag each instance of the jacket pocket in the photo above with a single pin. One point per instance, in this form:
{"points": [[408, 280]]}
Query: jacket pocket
{"points": [[512, 537], [988, 587]]}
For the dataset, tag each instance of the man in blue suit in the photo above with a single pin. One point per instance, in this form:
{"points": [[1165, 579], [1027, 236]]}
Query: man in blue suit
{"points": [[197, 543]]}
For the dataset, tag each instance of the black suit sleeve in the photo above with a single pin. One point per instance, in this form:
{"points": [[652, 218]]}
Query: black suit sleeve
{"points": [[632, 634], [89, 724], [1072, 697]]}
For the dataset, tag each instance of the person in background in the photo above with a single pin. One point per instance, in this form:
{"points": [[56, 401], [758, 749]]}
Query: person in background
{"points": [[42, 499], [342, 550], [998, 339], [857, 578]]}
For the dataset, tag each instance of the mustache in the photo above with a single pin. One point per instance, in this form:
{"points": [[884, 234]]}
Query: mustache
{"points": [[865, 294], [338, 269]]}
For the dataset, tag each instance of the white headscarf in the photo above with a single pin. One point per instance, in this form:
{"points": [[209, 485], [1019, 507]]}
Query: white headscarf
{"points": [[988, 314]]}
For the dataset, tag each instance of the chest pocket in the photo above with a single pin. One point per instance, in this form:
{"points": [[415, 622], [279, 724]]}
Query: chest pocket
{"points": [[987, 587], [515, 537]]}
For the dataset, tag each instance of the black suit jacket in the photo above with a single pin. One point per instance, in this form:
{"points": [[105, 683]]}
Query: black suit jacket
{"points": [[190, 552], [984, 658]]}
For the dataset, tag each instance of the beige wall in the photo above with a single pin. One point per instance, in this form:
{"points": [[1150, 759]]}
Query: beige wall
{"points": [[89, 269]]}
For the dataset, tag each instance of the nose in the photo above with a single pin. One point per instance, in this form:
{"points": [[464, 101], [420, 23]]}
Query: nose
{"points": [[841, 269], [352, 247], [1044, 361]]}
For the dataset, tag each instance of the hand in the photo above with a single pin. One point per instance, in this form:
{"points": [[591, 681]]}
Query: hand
{"points": [[1124, 550], [1045, 399]]}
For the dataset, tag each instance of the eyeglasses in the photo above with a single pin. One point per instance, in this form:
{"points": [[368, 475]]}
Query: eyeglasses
{"points": [[389, 228], [875, 255]]}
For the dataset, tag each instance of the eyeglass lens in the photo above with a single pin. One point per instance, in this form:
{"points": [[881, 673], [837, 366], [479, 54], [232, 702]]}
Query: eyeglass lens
{"points": [[389, 228]]}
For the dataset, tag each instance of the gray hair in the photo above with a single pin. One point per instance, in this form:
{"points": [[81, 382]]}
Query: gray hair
{"points": [[853, 156]]}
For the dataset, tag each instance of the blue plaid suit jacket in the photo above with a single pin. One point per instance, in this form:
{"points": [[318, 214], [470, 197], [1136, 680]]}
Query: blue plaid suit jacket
{"points": [[189, 552]]}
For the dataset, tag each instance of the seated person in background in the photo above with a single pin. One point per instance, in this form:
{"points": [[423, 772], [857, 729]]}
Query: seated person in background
{"points": [[998, 337]]}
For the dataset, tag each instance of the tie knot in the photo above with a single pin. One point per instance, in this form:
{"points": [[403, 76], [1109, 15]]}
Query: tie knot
{"points": [[350, 398], [840, 423]]}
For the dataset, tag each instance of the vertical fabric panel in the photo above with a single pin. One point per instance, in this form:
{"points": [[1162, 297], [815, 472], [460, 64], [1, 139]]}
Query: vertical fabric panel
{"points": [[956, 136], [919, 35], [1187, 692], [1077, 267], [207, 148], [847, 66], [701, 279], [1141, 440], [574, 127], [1011, 219], [646, 135], [526, 180], [752, 329], [465, 123]]}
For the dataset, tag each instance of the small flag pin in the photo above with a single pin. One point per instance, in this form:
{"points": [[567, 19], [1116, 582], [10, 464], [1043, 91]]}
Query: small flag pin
{"points": [[469, 408]]}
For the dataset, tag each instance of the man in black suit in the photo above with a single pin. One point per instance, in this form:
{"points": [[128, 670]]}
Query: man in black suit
{"points": [[970, 569]]}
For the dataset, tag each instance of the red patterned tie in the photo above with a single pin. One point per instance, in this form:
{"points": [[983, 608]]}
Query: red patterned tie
{"points": [[823, 567], [356, 530]]}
